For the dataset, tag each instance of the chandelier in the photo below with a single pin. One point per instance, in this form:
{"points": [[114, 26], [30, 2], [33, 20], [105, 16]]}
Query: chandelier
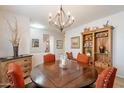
{"points": [[61, 20]]}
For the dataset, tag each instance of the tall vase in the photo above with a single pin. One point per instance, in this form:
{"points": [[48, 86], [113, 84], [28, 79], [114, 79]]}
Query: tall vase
{"points": [[101, 49], [15, 51]]}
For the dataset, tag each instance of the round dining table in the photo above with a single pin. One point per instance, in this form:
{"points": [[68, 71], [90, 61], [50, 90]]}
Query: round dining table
{"points": [[73, 75]]}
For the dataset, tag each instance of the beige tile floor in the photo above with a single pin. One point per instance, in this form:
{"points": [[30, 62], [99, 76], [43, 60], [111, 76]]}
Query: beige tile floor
{"points": [[118, 83], [27, 80]]}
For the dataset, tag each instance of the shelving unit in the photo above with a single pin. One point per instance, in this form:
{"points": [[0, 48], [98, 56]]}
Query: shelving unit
{"points": [[88, 45], [97, 44]]}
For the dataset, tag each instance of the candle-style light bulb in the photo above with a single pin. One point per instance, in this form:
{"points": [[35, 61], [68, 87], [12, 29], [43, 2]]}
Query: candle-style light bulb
{"points": [[70, 22], [68, 13], [55, 23], [72, 18], [58, 11], [63, 23], [50, 15], [49, 19]]}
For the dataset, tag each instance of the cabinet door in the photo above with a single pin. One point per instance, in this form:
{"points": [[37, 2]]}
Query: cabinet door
{"points": [[26, 64], [4, 69]]}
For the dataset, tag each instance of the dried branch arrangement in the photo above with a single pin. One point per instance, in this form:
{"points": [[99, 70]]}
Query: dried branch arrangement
{"points": [[15, 39]]}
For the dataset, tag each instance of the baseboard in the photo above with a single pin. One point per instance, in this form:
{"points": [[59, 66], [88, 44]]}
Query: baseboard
{"points": [[120, 76]]}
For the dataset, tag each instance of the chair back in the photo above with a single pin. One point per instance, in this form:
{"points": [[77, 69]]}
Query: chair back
{"points": [[15, 75], [106, 78], [69, 55], [49, 58], [83, 58]]}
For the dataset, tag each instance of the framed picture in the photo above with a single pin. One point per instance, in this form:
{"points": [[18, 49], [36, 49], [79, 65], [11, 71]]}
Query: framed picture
{"points": [[35, 42], [59, 44], [75, 42]]}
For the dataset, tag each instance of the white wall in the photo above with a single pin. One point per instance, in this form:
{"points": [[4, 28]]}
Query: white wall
{"points": [[36, 34], [27, 35], [39, 52], [117, 20], [5, 34]]}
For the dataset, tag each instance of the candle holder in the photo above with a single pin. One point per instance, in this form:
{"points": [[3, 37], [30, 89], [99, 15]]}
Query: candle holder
{"points": [[63, 62]]}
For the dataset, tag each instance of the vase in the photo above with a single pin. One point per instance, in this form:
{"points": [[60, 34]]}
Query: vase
{"points": [[15, 51], [101, 49]]}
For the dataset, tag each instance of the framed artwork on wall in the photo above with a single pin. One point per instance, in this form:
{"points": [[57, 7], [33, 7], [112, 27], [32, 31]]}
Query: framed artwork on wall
{"points": [[59, 44], [35, 43], [75, 42]]}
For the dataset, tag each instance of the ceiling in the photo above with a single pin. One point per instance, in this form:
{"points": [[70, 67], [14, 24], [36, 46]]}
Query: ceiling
{"points": [[82, 13]]}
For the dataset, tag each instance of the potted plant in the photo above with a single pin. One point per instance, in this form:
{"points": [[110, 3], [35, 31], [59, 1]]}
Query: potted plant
{"points": [[15, 37]]}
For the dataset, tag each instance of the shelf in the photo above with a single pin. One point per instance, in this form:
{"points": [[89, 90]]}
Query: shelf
{"points": [[97, 53], [87, 47], [88, 40], [102, 37], [102, 65]]}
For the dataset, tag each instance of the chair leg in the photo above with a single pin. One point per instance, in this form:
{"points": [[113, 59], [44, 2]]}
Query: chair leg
{"points": [[32, 85]]}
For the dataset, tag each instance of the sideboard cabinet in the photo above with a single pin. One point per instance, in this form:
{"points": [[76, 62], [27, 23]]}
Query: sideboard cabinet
{"points": [[25, 61]]}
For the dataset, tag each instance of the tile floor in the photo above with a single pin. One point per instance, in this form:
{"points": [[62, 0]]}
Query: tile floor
{"points": [[119, 82]]}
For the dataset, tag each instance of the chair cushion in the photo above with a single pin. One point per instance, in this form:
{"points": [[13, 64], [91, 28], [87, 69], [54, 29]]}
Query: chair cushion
{"points": [[83, 58], [15, 75], [49, 58], [106, 78], [32, 85]]}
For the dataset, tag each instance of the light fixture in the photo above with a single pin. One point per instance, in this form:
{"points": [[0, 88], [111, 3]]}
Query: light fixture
{"points": [[37, 25], [61, 20]]}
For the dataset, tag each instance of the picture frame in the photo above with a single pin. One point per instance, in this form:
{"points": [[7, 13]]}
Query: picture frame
{"points": [[75, 42], [35, 43], [59, 44]]}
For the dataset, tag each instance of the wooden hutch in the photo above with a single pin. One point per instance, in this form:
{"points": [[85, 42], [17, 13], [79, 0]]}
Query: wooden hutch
{"points": [[97, 44]]}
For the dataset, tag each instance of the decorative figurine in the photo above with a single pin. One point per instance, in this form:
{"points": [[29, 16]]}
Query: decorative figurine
{"points": [[107, 24]]}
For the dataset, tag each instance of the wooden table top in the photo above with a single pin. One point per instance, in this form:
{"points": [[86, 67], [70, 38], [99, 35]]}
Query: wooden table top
{"points": [[76, 75]]}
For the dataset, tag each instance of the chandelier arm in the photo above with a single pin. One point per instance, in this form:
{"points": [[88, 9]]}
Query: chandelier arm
{"points": [[52, 23], [66, 23], [61, 17], [58, 17], [57, 26], [68, 18], [65, 16], [52, 19], [69, 24], [63, 11], [59, 21]]}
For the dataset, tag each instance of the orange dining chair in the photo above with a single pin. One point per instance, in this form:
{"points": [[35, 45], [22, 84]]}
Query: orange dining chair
{"points": [[49, 58], [82, 58], [106, 78], [15, 76]]}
